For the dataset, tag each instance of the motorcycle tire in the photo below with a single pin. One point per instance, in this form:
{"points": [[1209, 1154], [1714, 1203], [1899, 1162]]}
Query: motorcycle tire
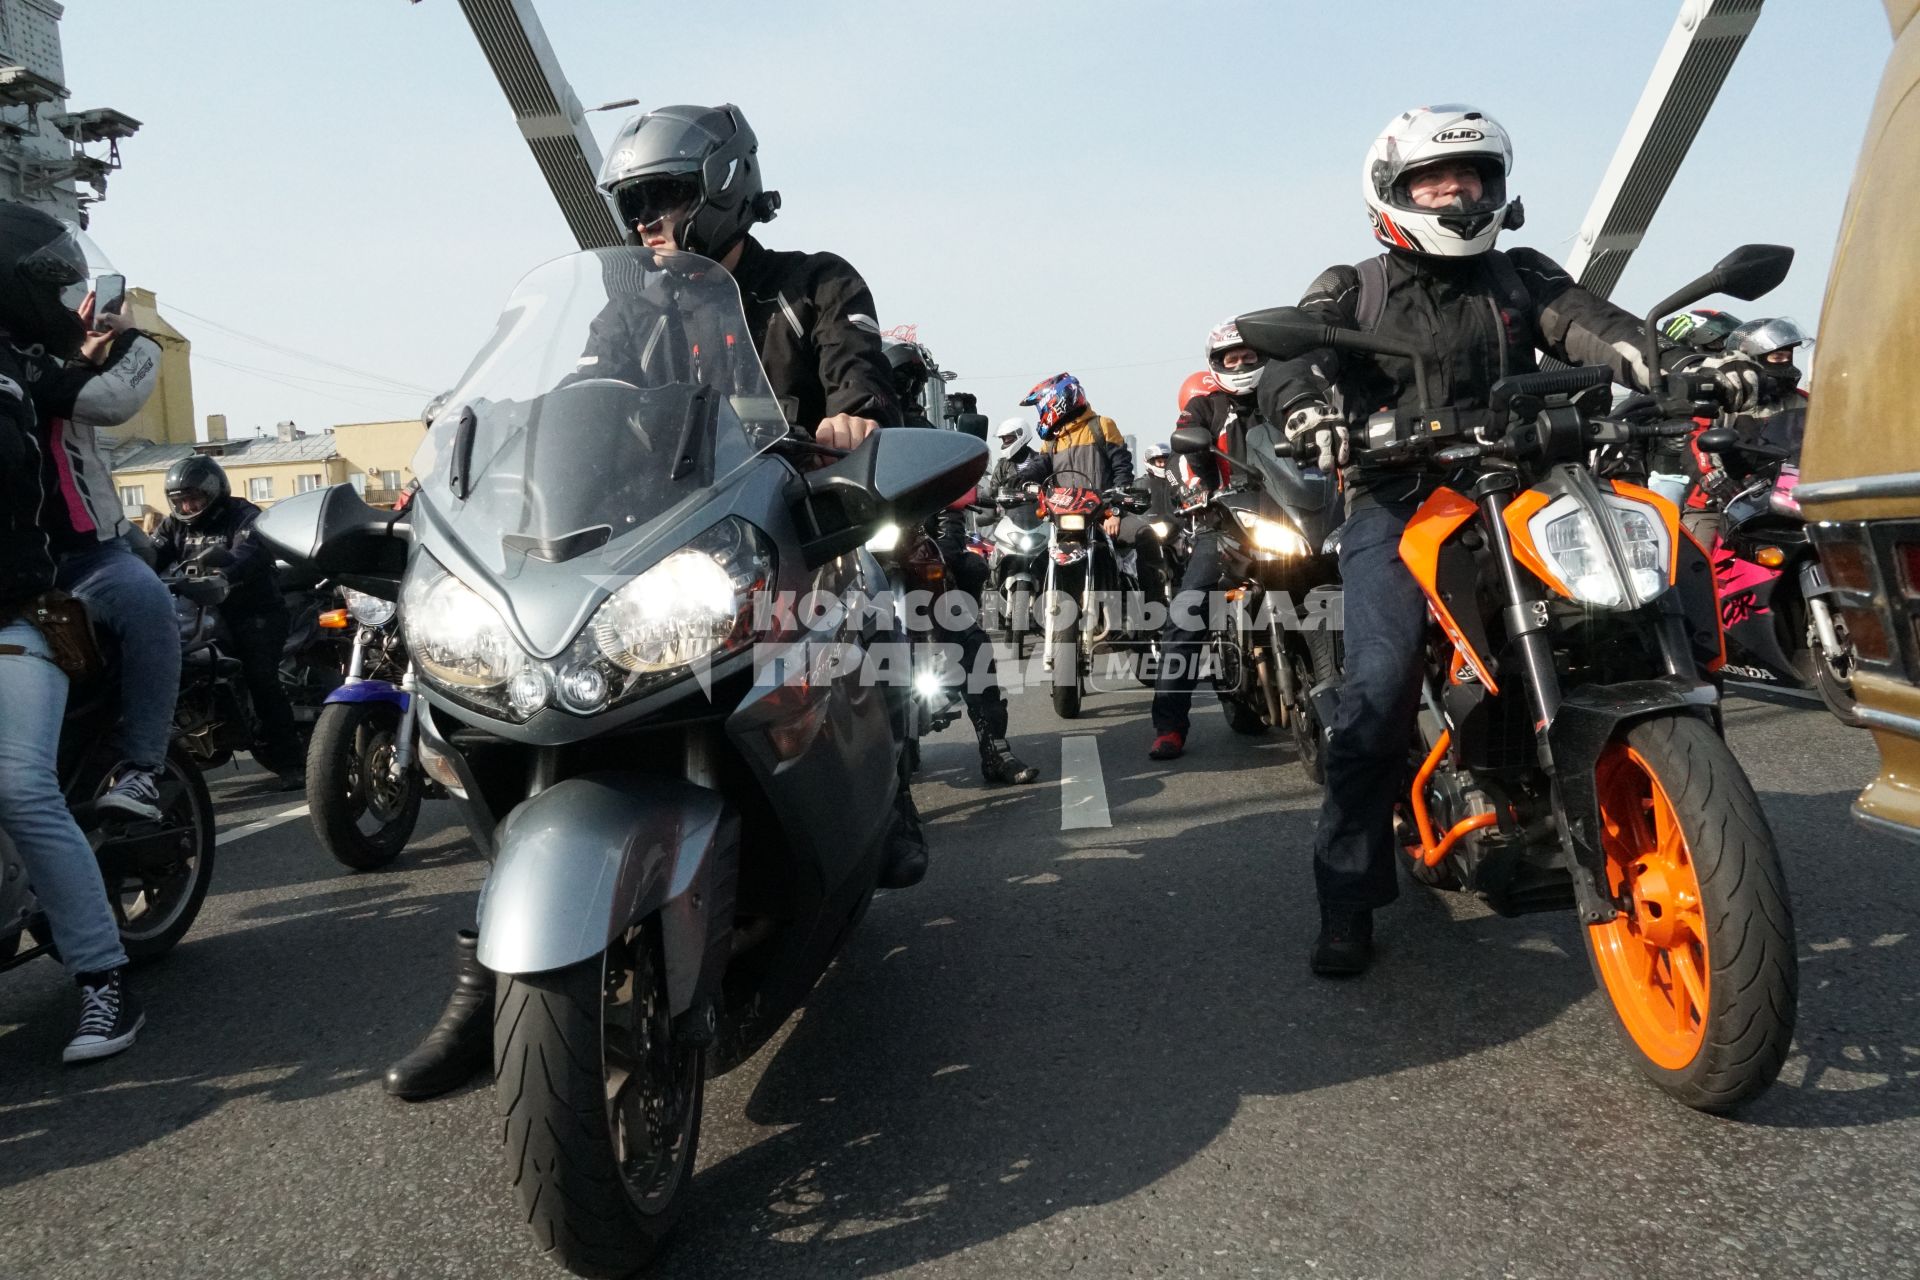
{"points": [[160, 914], [1835, 689], [1243, 717], [362, 818], [1066, 693], [1316, 660], [1701, 969], [594, 1205]]}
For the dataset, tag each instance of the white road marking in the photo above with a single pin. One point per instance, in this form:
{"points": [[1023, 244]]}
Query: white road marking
{"points": [[288, 815], [1083, 787]]}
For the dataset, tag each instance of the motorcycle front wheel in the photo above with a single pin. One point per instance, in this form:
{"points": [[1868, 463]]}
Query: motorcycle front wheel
{"points": [[600, 1102], [361, 812], [1066, 691], [1700, 964]]}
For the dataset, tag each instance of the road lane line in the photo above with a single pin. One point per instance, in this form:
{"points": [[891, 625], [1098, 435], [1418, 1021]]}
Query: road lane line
{"points": [[1083, 786], [288, 815]]}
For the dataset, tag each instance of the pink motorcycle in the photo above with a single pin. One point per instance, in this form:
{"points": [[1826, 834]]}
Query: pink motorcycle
{"points": [[1775, 602]]}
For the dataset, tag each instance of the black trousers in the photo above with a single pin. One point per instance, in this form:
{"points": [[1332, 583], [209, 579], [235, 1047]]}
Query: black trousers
{"points": [[1181, 647], [987, 707], [258, 639]]}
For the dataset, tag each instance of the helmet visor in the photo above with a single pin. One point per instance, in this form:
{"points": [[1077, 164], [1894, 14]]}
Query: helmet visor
{"points": [[1466, 187], [60, 263], [646, 201]]}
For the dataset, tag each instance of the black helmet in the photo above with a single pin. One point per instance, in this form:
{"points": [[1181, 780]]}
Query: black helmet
{"points": [[40, 258], [699, 162], [197, 474], [908, 361], [1702, 328]]}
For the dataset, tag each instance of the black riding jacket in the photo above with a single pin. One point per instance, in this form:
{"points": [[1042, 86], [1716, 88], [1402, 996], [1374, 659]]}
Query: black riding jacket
{"points": [[1226, 419], [1457, 308], [26, 552], [226, 523]]}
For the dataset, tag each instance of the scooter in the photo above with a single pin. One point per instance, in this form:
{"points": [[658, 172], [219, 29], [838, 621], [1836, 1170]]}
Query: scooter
{"points": [[683, 783]]}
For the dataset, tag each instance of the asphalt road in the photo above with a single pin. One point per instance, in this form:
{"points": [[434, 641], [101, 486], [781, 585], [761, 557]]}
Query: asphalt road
{"points": [[1090, 1050]]}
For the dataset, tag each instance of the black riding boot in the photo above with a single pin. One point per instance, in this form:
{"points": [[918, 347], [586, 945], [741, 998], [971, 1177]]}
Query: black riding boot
{"points": [[461, 1043], [906, 853], [999, 764]]}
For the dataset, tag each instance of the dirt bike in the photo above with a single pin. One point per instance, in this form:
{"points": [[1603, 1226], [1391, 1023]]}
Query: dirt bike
{"points": [[1277, 659], [1566, 750]]}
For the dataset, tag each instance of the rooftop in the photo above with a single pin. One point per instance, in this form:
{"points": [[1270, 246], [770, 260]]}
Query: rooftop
{"points": [[144, 455]]}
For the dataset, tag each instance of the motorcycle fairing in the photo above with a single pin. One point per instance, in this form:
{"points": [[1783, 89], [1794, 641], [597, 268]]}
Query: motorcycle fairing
{"points": [[1440, 517]]}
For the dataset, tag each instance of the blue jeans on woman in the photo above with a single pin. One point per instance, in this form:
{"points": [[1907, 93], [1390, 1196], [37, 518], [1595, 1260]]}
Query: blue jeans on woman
{"points": [[124, 595], [33, 813]]}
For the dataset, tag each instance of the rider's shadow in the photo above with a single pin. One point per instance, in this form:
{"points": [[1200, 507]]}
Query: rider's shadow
{"points": [[1053, 1027]]}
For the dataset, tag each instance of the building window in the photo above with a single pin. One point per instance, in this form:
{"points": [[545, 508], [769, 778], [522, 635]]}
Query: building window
{"points": [[389, 479], [260, 488], [133, 497], [305, 484], [359, 482]]}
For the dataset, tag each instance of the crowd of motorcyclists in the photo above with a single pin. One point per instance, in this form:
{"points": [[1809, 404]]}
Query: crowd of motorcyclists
{"points": [[1436, 190]]}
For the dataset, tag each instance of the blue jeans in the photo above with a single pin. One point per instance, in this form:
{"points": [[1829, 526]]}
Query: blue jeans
{"points": [[1367, 754], [59, 861], [128, 599]]}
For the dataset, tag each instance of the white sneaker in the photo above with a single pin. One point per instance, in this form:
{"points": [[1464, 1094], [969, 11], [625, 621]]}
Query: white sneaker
{"points": [[133, 794], [110, 1018]]}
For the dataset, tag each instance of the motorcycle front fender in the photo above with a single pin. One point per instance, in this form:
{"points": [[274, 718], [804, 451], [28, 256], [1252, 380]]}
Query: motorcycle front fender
{"points": [[590, 857], [1587, 720], [370, 691]]}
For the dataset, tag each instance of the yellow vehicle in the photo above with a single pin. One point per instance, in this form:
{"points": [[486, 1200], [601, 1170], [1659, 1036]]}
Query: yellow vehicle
{"points": [[1860, 472]]}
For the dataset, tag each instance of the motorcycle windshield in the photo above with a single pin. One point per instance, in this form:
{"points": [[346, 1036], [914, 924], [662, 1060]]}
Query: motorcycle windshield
{"points": [[619, 385]]}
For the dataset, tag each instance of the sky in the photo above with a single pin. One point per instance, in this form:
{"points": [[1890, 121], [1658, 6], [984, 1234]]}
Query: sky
{"points": [[333, 200]]}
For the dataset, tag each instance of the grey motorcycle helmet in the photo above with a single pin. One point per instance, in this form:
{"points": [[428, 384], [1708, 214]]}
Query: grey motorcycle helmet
{"points": [[703, 160], [1773, 344]]}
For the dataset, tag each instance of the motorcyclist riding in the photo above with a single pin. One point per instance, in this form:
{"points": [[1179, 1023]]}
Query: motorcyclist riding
{"points": [[1074, 438], [689, 178], [1702, 328], [206, 515], [1226, 414], [986, 703], [1015, 451], [39, 258], [1435, 186]]}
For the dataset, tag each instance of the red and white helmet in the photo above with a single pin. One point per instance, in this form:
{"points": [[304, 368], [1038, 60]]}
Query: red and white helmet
{"points": [[1235, 382], [1427, 136], [1202, 383]]}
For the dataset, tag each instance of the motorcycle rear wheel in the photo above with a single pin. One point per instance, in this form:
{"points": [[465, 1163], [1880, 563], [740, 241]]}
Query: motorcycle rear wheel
{"points": [[600, 1103], [1700, 967], [362, 815]]}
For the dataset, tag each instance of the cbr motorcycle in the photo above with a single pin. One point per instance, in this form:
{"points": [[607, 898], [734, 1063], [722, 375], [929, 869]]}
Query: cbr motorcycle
{"points": [[1566, 751], [364, 781], [1274, 521], [1775, 601], [157, 873], [684, 795], [1087, 586]]}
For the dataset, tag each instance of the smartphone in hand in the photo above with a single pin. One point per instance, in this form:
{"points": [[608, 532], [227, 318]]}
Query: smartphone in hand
{"points": [[109, 296]]}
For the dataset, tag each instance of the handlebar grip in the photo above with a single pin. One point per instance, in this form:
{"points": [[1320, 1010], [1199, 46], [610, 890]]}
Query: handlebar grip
{"points": [[1555, 382]]}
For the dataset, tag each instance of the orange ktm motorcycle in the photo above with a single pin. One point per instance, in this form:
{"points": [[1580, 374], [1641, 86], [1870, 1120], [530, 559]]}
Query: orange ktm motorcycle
{"points": [[1567, 751]]}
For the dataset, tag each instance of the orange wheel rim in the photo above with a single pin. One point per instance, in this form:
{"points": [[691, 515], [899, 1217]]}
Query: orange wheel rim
{"points": [[1652, 956]]}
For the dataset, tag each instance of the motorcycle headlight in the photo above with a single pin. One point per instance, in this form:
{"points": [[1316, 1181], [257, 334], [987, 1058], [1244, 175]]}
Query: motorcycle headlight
{"points": [[884, 539], [369, 611], [1273, 539], [693, 606], [1161, 528], [1574, 545], [1073, 523], [458, 639]]}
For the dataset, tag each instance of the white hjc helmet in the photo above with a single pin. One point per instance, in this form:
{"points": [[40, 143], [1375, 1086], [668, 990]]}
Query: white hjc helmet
{"points": [[1432, 135], [1223, 338], [1012, 433]]}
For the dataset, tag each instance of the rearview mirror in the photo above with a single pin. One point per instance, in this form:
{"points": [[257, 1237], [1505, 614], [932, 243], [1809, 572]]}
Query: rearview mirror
{"points": [[336, 533], [1717, 439], [1281, 333], [899, 475], [1753, 270], [1190, 440]]}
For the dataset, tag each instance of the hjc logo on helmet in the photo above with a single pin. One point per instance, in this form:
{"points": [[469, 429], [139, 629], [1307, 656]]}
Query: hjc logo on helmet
{"points": [[1459, 135]]}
